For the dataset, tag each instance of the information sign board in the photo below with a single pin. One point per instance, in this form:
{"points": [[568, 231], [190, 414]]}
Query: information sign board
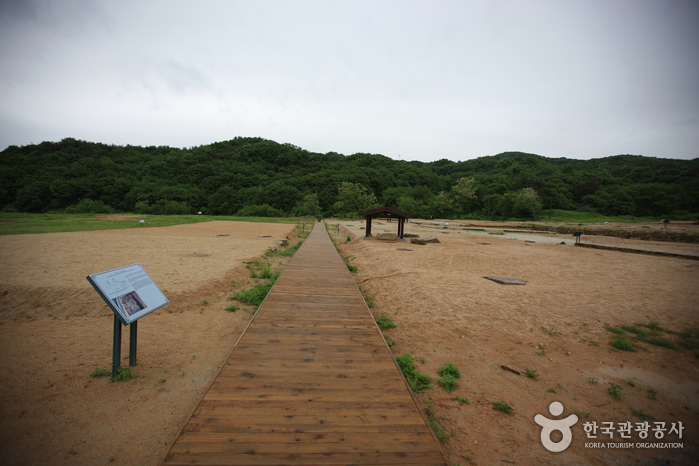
{"points": [[128, 291]]}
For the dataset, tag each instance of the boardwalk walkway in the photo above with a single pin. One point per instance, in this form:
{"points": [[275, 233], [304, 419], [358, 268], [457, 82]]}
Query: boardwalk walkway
{"points": [[311, 381]]}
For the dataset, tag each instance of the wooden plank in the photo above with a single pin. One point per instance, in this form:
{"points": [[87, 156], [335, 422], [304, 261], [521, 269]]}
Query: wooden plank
{"points": [[310, 382]]}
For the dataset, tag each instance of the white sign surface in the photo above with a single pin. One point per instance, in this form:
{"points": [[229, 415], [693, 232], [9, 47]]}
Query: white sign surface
{"points": [[128, 291]]}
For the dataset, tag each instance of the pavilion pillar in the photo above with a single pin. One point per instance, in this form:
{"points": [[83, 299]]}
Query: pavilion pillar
{"points": [[367, 230], [401, 228]]}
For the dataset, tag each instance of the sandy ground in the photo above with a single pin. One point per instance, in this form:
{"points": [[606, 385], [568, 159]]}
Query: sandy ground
{"points": [[55, 330], [446, 311]]}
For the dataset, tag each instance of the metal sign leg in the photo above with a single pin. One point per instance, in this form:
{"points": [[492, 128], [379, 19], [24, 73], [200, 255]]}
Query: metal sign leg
{"points": [[133, 335], [116, 352]]}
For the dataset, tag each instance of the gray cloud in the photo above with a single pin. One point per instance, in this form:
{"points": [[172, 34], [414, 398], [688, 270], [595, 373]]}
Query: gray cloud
{"points": [[424, 80]]}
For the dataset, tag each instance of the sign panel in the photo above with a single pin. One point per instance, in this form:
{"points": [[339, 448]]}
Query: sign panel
{"points": [[128, 291]]}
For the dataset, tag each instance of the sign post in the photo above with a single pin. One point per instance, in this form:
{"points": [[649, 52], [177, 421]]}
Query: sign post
{"points": [[131, 294]]}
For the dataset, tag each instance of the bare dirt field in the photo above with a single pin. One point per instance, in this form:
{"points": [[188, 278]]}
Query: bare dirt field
{"points": [[446, 311], [55, 330]]}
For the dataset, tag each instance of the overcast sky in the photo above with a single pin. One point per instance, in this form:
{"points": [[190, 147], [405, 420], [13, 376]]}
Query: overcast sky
{"points": [[415, 80]]}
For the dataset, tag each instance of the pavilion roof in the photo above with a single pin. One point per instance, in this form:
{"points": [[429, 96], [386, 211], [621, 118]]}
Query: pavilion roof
{"points": [[385, 212]]}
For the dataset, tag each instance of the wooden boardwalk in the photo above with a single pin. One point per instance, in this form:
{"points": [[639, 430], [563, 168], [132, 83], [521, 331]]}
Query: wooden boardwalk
{"points": [[311, 381]]}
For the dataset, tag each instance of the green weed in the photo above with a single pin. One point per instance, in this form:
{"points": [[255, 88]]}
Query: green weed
{"points": [[384, 322], [232, 308], [418, 381], [551, 330], [449, 369], [621, 344], [100, 373], [652, 394], [503, 406], [123, 374], [438, 430], [530, 373], [615, 330], [580, 413], [615, 390], [449, 382], [462, 400], [641, 415]]}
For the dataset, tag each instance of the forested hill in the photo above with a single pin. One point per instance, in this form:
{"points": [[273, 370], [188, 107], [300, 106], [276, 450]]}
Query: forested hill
{"points": [[255, 176]]}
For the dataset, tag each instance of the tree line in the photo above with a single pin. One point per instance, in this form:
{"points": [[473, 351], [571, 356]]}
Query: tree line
{"points": [[259, 177]]}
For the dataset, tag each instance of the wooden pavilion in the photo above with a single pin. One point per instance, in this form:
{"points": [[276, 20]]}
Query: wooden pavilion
{"points": [[387, 213]]}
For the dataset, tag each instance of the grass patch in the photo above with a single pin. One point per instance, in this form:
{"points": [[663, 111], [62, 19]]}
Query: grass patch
{"points": [[462, 400], [418, 381], [641, 415], [622, 344], [449, 369], [530, 373], [449, 382], [615, 390], [384, 322], [255, 295], [502, 406], [615, 330], [659, 341], [438, 430], [100, 373], [22, 223]]}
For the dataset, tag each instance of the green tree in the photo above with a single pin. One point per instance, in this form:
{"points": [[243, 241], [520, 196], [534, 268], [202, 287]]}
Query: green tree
{"points": [[443, 205], [526, 203], [353, 198], [308, 206], [463, 192]]}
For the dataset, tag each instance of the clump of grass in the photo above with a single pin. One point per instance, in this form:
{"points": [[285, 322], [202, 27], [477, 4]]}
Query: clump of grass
{"points": [[651, 325], [641, 415], [631, 382], [551, 390], [449, 373], [615, 330], [352, 268], [232, 308], [530, 373], [438, 430], [462, 400], [384, 322], [449, 369], [659, 341], [449, 383], [255, 295], [580, 413], [100, 373], [503, 406], [123, 374], [551, 330], [592, 380], [621, 344], [418, 381], [652, 394], [615, 390], [290, 250], [638, 331]]}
